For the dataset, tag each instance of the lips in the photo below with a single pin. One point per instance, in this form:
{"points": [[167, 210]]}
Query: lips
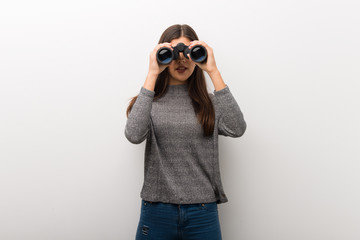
{"points": [[181, 68]]}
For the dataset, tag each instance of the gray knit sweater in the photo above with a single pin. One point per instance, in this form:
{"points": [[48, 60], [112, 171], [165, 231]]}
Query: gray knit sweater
{"points": [[181, 165]]}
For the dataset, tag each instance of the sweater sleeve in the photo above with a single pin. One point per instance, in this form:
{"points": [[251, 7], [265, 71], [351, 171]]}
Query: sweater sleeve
{"points": [[138, 121], [231, 119]]}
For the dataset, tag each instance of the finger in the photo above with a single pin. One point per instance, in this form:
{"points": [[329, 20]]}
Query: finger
{"points": [[169, 46], [197, 43], [159, 46], [192, 44], [166, 44]]}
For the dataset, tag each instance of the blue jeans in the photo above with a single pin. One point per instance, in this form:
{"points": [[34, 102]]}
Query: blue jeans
{"points": [[166, 221]]}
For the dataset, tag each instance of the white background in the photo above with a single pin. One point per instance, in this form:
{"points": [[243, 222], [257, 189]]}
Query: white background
{"points": [[69, 68]]}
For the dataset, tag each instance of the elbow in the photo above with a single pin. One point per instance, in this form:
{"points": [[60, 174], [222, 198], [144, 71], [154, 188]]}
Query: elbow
{"points": [[133, 137], [234, 130], [241, 129]]}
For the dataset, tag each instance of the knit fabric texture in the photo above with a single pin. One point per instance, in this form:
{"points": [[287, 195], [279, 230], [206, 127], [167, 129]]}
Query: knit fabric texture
{"points": [[181, 165]]}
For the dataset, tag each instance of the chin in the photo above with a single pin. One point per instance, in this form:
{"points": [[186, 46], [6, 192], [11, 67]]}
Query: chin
{"points": [[180, 78]]}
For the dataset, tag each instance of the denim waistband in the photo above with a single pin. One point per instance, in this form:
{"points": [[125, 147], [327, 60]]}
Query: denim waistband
{"points": [[177, 205]]}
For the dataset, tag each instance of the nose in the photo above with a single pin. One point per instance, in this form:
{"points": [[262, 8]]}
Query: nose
{"points": [[182, 57]]}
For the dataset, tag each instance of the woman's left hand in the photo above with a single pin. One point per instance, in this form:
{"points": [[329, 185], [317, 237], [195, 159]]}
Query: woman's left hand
{"points": [[209, 66]]}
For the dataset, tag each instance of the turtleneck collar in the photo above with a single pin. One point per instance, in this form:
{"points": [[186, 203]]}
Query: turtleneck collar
{"points": [[181, 89]]}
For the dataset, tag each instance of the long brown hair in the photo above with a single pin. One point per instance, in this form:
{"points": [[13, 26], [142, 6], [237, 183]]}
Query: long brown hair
{"points": [[196, 84]]}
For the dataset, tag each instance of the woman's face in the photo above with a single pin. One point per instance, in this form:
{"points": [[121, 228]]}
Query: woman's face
{"points": [[180, 76]]}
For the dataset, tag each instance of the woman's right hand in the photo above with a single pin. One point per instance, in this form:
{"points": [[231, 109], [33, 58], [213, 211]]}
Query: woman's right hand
{"points": [[154, 66]]}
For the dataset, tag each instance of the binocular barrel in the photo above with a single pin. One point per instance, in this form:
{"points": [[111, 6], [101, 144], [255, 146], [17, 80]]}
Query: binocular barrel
{"points": [[165, 55]]}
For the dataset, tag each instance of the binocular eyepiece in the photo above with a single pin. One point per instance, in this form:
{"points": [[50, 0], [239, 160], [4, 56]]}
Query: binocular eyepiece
{"points": [[165, 55]]}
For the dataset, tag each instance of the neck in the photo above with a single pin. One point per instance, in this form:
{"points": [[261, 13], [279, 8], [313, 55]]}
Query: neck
{"points": [[178, 89]]}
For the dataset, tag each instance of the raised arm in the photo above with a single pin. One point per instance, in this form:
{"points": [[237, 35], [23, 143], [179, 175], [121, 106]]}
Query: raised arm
{"points": [[138, 122]]}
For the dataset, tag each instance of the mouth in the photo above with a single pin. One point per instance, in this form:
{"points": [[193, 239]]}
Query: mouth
{"points": [[181, 69]]}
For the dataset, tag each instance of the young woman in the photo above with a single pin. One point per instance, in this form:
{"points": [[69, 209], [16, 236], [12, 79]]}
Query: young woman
{"points": [[181, 122]]}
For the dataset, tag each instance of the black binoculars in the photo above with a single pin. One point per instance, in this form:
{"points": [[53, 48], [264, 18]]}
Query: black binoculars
{"points": [[165, 55]]}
